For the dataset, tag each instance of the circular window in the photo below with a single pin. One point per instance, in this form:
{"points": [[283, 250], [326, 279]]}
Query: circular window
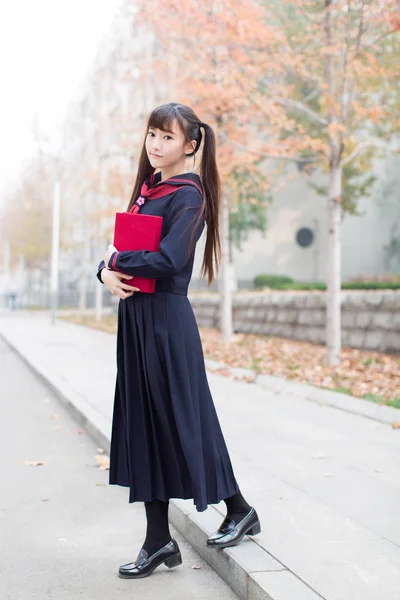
{"points": [[305, 237]]}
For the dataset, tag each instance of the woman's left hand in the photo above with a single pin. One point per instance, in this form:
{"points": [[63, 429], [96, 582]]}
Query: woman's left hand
{"points": [[108, 254]]}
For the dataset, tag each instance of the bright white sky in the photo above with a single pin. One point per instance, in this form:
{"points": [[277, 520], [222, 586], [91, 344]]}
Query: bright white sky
{"points": [[46, 48]]}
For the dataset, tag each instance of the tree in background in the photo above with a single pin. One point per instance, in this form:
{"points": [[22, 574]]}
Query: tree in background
{"points": [[348, 55], [308, 80], [26, 217], [248, 207]]}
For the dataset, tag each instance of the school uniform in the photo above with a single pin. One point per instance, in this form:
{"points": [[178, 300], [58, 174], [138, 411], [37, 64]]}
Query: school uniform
{"points": [[166, 439]]}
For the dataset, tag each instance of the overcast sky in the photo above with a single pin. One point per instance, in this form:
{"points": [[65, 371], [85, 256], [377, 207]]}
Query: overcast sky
{"points": [[46, 48]]}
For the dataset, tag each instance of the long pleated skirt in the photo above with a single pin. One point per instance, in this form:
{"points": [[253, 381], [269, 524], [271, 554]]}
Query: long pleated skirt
{"points": [[166, 437]]}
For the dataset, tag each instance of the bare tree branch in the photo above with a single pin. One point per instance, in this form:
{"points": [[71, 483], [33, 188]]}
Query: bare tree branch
{"points": [[356, 151], [311, 95], [302, 159], [302, 108]]}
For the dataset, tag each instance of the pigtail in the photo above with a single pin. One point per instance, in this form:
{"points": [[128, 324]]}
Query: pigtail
{"points": [[212, 193]]}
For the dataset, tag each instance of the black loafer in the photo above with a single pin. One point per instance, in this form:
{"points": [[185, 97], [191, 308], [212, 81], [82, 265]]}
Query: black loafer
{"points": [[144, 565], [231, 533]]}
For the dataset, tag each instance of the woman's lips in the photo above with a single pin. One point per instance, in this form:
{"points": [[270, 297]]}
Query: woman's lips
{"points": [[157, 155]]}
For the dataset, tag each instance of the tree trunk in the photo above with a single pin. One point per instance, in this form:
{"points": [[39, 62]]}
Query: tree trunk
{"points": [[333, 301], [225, 286]]}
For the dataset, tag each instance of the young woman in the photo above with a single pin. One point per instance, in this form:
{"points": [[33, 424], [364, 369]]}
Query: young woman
{"points": [[166, 438]]}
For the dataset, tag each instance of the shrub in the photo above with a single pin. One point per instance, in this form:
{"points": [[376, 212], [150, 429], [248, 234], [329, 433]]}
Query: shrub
{"points": [[385, 278], [272, 281], [304, 286], [370, 285]]}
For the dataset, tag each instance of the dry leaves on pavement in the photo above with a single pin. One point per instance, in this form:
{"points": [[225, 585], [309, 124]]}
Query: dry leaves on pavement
{"points": [[365, 374], [103, 461], [361, 373]]}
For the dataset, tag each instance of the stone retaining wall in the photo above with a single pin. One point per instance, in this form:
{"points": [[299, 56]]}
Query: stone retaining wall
{"points": [[370, 320]]}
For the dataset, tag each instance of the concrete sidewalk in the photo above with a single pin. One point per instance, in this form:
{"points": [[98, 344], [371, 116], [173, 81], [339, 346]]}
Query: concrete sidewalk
{"points": [[64, 530], [326, 483]]}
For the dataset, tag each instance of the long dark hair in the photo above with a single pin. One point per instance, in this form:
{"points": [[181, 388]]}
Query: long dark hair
{"points": [[162, 118]]}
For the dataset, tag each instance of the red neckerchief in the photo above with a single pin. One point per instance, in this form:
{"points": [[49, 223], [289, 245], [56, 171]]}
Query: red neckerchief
{"points": [[159, 190]]}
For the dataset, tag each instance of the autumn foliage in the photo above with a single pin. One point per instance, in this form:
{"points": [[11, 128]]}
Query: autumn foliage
{"points": [[278, 79]]}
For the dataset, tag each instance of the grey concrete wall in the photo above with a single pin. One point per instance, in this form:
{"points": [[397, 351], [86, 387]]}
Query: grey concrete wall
{"points": [[370, 320]]}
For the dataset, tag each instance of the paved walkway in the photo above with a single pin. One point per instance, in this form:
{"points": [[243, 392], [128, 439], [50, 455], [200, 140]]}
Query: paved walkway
{"points": [[326, 483], [64, 530]]}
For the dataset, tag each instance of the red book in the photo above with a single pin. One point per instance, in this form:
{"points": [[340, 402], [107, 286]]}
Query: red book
{"points": [[138, 232]]}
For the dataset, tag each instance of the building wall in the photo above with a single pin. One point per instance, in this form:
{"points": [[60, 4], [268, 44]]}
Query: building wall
{"points": [[296, 205], [366, 237]]}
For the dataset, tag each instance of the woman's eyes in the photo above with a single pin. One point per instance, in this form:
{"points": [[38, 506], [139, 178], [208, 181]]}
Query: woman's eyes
{"points": [[168, 136]]}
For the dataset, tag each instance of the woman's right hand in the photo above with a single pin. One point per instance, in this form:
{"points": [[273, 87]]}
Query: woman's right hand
{"points": [[112, 279]]}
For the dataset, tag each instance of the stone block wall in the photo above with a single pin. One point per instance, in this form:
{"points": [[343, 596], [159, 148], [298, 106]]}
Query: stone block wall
{"points": [[370, 319]]}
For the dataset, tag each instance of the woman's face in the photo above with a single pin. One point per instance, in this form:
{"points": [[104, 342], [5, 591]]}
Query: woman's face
{"points": [[165, 149]]}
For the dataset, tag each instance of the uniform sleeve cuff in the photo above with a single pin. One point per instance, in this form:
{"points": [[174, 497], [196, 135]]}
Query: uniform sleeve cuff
{"points": [[112, 261], [99, 274]]}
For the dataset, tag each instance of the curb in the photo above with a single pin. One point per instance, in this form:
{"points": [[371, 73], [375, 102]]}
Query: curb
{"points": [[249, 570], [323, 397]]}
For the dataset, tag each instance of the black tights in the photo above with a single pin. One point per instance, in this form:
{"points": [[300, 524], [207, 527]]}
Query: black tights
{"points": [[237, 507], [158, 534]]}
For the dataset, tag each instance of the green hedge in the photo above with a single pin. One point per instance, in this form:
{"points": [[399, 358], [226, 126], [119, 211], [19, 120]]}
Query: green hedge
{"points": [[371, 285], [280, 282], [272, 281], [304, 286]]}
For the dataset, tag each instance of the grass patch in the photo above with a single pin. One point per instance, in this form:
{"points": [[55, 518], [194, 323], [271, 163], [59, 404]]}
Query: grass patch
{"points": [[342, 390], [395, 402]]}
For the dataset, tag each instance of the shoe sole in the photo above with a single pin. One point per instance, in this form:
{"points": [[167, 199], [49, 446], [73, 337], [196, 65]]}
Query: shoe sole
{"points": [[172, 561], [253, 530]]}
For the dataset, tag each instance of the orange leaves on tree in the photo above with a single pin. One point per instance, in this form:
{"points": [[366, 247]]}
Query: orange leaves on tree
{"points": [[235, 61], [376, 113], [394, 21]]}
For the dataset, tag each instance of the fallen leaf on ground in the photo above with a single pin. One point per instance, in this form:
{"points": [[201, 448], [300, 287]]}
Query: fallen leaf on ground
{"points": [[196, 567], [362, 373], [35, 463], [223, 371], [100, 450], [103, 462], [395, 425], [80, 431]]}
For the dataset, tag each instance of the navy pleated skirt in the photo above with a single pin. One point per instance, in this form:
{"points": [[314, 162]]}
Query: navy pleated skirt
{"points": [[166, 438]]}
